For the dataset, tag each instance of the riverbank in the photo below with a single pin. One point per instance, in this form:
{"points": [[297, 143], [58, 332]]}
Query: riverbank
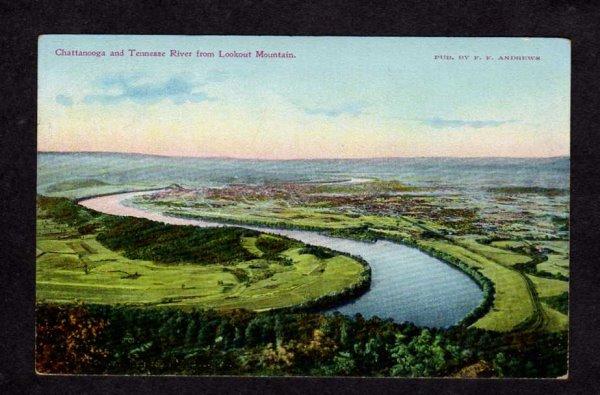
{"points": [[364, 235], [510, 301], [409, 284]]}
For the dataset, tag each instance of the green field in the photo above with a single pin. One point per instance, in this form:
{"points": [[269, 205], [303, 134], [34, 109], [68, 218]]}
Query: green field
{"points": [[72, 267], [502, 256], [517, 301], [547, 287], [557, 262], [75, 184], [512, 302]]}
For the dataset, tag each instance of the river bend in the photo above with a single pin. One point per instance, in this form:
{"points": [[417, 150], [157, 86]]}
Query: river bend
{"points": [[406, 284]]}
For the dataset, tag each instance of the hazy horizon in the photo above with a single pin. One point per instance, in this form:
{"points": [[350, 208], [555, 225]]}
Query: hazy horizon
{"points": [[302, 159]]}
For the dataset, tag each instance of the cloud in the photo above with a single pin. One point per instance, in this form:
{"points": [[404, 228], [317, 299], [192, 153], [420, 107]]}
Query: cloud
{"points": [[440, 123], [116, 88], [353, 109], [64, 100]]}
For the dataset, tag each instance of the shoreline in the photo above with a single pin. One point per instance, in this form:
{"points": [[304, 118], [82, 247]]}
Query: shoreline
{"points": [[484, 284]]}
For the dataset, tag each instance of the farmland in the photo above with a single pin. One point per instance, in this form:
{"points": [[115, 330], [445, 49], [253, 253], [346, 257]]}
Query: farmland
{"points": [[523, 272], [74, 267]]}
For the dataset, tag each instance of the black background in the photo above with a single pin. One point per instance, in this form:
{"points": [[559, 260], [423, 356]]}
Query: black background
{"points": [[22, 21]]}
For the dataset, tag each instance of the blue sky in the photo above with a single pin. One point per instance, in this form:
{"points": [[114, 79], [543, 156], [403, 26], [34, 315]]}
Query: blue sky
{"points": [[339, 97]]}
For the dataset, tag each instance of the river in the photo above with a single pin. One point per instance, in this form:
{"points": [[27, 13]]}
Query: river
{"points": [[406, 284]]}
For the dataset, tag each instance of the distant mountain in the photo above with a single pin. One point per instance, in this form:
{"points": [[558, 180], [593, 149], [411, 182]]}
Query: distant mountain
{"points": [[120, 169]]}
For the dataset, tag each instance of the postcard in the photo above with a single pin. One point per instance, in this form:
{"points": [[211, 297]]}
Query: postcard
{"points": [[303, 206]]}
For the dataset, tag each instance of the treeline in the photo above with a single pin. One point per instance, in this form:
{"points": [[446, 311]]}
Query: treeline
{"points": [[65, 211], [318, 251], [274, 244], [123, 340], [140, 238], [360, 233], [534, 190]]}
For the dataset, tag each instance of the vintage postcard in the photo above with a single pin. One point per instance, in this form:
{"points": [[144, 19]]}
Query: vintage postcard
{"points": [[303, 206]]}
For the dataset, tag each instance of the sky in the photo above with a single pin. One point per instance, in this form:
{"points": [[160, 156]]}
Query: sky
{"points": [[339, 97]]}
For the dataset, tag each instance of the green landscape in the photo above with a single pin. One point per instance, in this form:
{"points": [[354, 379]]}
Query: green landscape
{"points": [[523, 273], [82, 256], [151, 298]]}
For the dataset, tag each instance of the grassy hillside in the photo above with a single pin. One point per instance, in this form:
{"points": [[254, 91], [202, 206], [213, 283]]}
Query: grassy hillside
{"points": [[86, 256]]}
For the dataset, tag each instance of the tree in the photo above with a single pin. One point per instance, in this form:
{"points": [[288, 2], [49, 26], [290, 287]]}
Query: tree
{"points": [[253, 332], [191, 333], [423, 356], [370, 353], [285, 328], [343, 365], [225, 333], [206, 337], [346, 335], [239, 338]]}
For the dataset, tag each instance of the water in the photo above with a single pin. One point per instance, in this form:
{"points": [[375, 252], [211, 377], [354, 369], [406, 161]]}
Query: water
{"points": [[406, 284]]}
